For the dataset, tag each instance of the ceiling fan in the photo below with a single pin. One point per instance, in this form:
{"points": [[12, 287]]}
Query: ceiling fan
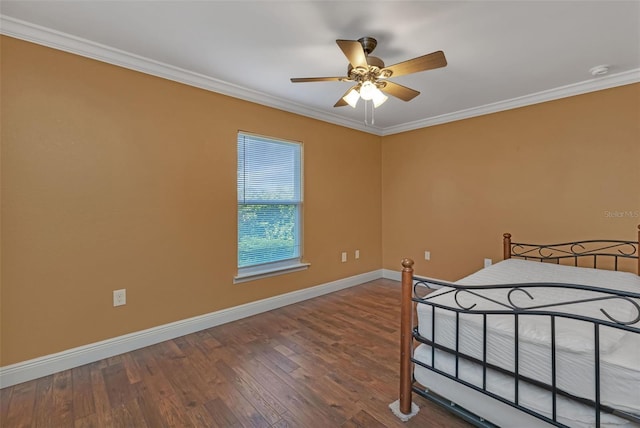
{"points": [[370, 74]]}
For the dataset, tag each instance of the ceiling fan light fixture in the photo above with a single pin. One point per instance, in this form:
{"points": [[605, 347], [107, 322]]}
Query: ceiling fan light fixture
{"points": [[378, 98], [352, 97], [367, 90]]}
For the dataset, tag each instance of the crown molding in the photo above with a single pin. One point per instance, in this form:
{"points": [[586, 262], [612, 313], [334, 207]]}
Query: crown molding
{"points": [[65, 42], [68, 43], [592, 85]]}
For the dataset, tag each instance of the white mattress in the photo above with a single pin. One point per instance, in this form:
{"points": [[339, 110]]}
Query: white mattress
{"points": [[575, 370], [569, 413]]}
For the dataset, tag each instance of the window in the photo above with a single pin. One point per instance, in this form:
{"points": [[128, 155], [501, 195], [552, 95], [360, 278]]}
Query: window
{"points": [[269, 206]]}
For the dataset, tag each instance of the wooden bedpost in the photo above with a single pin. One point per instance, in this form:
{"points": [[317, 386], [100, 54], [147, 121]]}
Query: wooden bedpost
{"points": [[406, 327], [506, 246]]}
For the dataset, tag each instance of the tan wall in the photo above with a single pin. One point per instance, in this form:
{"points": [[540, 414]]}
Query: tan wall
{"points": [[545, 173], [115, 179]]}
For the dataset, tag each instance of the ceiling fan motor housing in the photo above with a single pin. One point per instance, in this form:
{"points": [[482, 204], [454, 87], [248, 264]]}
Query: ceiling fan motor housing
{"points": [[375, 65], [368, 44]]}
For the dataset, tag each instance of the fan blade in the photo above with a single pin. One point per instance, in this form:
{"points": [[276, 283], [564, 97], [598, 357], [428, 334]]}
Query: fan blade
{"points": [[421, 63], [354, 52], [341, 102], [399, 91], [317, 79]]}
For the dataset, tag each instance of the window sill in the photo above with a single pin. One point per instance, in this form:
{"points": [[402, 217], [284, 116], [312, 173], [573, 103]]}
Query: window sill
{"points": [[273, 271]]}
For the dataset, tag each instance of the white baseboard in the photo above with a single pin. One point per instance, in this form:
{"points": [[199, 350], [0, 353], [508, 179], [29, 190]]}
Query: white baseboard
{"points": [[392, 274], [43, 366]]}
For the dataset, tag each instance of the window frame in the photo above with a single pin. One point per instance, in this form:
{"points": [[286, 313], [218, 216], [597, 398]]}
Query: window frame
{"points": [[279, 267]]}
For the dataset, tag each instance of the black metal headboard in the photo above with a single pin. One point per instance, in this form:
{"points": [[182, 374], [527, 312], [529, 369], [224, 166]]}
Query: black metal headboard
{"points": [[611, 249]]}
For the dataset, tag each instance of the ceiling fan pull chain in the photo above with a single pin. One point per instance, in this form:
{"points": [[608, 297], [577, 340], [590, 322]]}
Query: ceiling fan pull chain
{"points": [[365, 113], [373, 114], [373, 119]]}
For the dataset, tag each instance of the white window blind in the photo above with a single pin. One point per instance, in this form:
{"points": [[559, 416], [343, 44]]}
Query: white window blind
{"points": [[269, 202]]}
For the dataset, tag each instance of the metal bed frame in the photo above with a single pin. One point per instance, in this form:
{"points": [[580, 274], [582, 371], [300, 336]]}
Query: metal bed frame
{"points": [[611, 250]]}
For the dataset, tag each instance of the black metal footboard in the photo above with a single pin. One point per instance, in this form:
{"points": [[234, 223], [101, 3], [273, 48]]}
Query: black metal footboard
{"points": [[606, 313]]}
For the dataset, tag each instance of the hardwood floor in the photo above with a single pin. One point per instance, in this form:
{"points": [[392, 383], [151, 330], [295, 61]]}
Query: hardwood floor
{"points": [[332, 361]]}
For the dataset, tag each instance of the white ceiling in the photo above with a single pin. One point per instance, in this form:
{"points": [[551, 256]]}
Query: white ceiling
{"points": [[501, 54]]}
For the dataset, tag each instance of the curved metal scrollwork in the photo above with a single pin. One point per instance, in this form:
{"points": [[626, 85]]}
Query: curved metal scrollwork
{"points": [[521, 290], [632, 248], [506, 301], [576, 249], [466, 308], [635, 320], [635, 305], [579, 247]]}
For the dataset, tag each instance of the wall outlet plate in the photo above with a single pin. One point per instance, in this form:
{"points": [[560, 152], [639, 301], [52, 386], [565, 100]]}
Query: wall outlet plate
{"points": [[488, 262], [119, 297], [344, 256]]}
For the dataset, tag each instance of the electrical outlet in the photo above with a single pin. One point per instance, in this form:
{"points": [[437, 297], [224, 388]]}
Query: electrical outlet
{"points": [[119, 297], [487, 262], [344, 256], [427, 255], [357, 254]]}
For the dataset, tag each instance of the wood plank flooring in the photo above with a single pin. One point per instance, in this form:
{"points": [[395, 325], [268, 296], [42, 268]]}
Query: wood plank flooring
{"points": [[332, 361]]}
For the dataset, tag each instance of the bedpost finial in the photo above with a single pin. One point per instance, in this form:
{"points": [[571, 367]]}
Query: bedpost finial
{"points": [[506, 246], [407, 263]]}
